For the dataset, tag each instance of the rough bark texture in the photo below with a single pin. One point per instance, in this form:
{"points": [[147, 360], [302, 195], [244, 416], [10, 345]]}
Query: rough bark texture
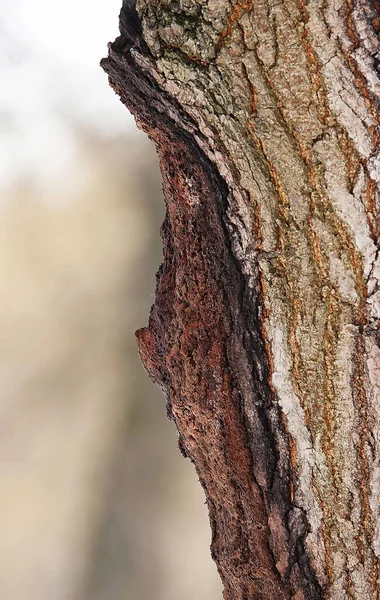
{"points": [[264, 333]]}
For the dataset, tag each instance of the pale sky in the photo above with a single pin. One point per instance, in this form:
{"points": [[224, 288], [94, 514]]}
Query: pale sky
{"points": [[50, 75]]}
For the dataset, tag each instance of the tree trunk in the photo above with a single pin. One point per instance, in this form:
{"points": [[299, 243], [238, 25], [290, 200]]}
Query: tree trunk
{"points": [[264, 332]]}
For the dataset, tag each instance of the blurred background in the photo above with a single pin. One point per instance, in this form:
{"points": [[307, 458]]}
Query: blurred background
{"points": [[96, 502]]}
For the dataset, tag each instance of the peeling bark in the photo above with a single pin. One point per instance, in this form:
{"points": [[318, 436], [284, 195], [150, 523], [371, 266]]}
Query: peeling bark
{"points": [[264, 332]]}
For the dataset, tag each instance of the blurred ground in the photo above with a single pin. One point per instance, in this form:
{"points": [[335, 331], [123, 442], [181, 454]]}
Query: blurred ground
{"points": [[96, 501]]}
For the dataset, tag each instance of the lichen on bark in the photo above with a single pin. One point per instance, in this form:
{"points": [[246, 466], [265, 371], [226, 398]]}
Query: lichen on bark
{"points": [[264, 333]]}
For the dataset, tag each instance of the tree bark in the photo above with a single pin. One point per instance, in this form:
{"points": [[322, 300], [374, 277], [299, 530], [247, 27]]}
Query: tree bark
{"points": [[264, 332]]}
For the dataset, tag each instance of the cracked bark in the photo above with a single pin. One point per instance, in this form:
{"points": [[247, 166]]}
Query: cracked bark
{"points": [[264, 332]]}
